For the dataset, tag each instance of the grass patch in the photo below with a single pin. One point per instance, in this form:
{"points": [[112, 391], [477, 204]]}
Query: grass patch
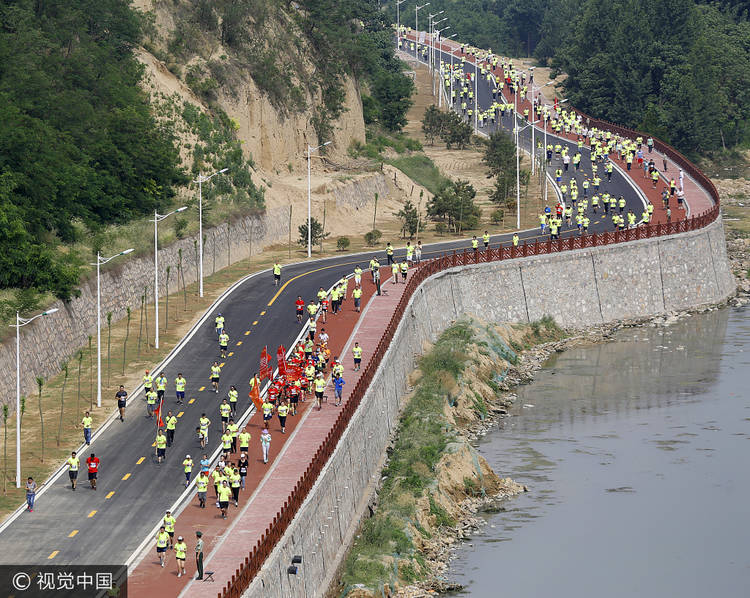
{"points": [[410, 472], [544, 330], [421, 170]]}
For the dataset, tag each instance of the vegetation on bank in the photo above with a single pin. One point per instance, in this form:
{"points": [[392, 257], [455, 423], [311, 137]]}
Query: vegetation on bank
{"points": [[677, 69], [431, 468]]}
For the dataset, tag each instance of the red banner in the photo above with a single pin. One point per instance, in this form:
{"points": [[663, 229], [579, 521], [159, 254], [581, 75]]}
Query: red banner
{"points": [[265, 367], [159, 421], [255, 396], [281, 358]]}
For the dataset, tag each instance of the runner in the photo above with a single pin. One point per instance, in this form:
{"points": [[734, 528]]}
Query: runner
{"points": [[276, 274], [265, 443], [223, 343], [215, 373], [283, 410], [404, 269], [161, 445], [150, 403], [86, 423], [162, 540], [338, 389], [234, 396], [169, 523], [233, 429], [203, 425], [161, 386], [357, 355], [267, 409], [320, 385], [243, 464], [187, 468], [219, 321], [225, 411], [180, 552], [244, 440], [179, 385], [199, 555], [74, 464], [171, 425], [148, 382], [224, 493], [201, 485], [299, 307], [235, 481], [357, 295], [122, 401], [93, 465]]}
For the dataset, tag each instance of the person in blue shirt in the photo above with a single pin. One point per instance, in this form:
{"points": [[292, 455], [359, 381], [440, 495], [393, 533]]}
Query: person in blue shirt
{"points": [[205, 463], [338, 388]]}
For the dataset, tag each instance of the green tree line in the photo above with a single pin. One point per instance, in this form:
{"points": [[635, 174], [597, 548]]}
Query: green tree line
{"points": [[78, 142]]}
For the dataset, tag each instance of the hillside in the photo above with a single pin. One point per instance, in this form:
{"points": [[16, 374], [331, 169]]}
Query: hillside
{"points": [[129, 101]]}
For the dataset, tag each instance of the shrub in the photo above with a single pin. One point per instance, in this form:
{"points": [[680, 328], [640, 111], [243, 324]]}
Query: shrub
{"points": [[342, 243], [373, 237], [497, 216]]}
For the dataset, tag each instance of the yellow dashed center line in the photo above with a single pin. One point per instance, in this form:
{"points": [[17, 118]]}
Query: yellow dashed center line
{"points": [[247, 332], [180, 414], [153, 443], [73, 533], [141, 460], [239, 343], [254, 323], [191, 401], [92, 514], [231, 353], [221, 365], [126, 476], [53, 554], [110, 495], [263, 313], [201, 389]]}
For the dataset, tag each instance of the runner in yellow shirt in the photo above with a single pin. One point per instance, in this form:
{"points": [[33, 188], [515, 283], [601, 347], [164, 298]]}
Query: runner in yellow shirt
{"points": [[74, 464]]}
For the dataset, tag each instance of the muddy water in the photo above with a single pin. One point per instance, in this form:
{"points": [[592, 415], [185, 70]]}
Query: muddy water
{"points": [[635, 453]]}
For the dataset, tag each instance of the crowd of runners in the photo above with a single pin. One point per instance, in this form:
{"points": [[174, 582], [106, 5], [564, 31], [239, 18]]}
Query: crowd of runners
{"points": [[584, 195]]}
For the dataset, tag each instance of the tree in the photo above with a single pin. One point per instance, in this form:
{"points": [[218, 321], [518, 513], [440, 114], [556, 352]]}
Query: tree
{"points": [[40, 385], [432, 123], [79, 359], [166, 297], [455, 132], [342, 243], [64, 369], [109, 343], [5, 447], [500, 159], [125, 342], [316, 233], [409, 219], [372, 237], [393, 92], [455, 203]]}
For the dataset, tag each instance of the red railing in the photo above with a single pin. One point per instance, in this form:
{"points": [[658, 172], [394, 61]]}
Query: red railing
{"points": [[255, 559]]}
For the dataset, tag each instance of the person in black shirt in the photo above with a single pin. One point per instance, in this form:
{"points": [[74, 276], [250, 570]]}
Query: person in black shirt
{"points": [[122, 397], [243, 465]]}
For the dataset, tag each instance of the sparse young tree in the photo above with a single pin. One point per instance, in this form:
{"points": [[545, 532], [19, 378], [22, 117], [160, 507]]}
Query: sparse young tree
{"points": [[64, 369], [40, 386]]}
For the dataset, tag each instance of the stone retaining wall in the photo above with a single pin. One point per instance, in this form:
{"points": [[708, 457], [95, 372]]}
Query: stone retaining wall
{"points": [[577, 288]]}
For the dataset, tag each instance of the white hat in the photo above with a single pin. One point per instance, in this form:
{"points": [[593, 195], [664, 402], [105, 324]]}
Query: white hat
{"points": [[187, 456]]}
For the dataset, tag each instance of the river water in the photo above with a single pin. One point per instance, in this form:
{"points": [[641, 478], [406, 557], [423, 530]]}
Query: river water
{"points": [[635, 453]]}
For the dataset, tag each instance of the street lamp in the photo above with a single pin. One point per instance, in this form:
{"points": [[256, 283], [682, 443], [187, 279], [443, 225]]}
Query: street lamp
{"points": [[310, 150], [546, 118], [518, 167], [453, 53], [157, 219], [437, 54], [533, 104], [450, 78], [430, 21], [200, 180], [417, 8], [398, 23], [100, 261], [21, 322]]}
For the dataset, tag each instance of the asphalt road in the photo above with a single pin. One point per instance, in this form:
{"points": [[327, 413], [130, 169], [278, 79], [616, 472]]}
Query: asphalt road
{"points": [[107, 526]]}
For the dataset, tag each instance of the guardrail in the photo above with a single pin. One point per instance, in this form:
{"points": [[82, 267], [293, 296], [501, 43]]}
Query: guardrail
{"points": [[248, 569]]}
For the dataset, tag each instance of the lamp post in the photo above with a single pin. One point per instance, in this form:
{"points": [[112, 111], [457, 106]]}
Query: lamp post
{"points": [[200, 180], [21, 322], [417, 8], [100, 261], [546, 118], [450, 78], [453, 52], [398, 23], [518, 166], [533, 140], [310, 150], [157, 219], [436, 53]]}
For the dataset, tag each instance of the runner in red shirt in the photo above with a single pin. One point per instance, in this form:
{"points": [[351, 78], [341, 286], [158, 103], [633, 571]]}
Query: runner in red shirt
{"points": [[93, 463], [300, 308]]}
